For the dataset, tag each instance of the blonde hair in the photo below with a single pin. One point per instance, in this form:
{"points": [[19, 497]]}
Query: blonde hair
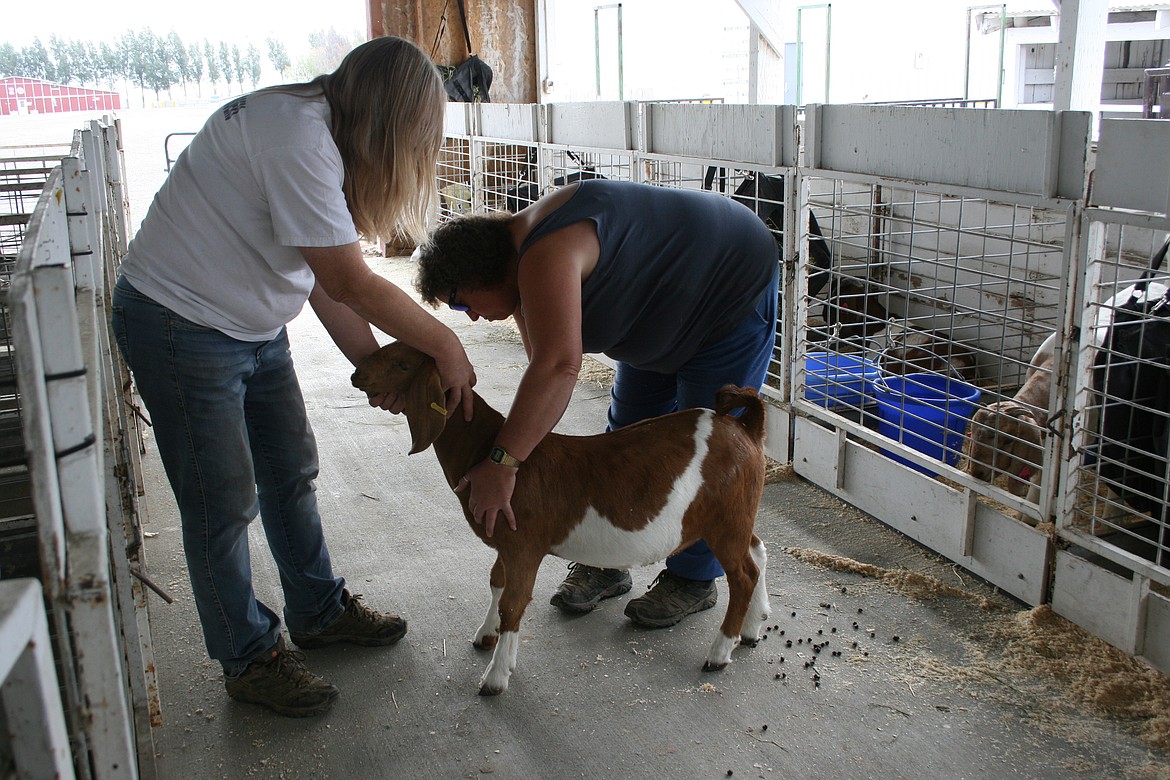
{"points": [[387, 104]]}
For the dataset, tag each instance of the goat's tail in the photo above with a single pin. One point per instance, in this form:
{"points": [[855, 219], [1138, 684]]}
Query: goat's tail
{"points": [[730, 398]]}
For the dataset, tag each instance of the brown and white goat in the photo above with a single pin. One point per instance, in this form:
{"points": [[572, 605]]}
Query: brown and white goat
{"points": [[626, 498], [1007, 437]]}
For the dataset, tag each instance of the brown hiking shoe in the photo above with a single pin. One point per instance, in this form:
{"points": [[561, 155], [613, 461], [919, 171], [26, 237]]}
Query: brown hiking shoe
{"points": [[358, 625], [277, 679], [586, 586], [670, 599]]}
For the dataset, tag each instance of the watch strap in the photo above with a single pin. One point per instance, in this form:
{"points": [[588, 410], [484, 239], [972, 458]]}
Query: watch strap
{"points": [[500, 456]]}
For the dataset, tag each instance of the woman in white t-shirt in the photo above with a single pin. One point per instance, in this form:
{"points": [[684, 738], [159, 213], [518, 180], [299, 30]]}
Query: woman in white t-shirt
{"points": [[262, 212]]}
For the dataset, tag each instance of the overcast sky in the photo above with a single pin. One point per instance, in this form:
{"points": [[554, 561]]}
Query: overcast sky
{"points": [[232, 21]]}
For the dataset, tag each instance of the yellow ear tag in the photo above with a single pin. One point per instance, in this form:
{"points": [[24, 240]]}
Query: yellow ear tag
{"points": [[438, 409]]}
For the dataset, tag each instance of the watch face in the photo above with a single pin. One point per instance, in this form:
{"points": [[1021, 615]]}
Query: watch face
{"points": [[500, 456]]}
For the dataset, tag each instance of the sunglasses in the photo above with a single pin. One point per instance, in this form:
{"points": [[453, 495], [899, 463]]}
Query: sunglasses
{"points": [[455, 306]]}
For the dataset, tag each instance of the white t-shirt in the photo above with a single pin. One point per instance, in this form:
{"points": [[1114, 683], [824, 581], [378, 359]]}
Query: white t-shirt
{"points": [[218, 245]]}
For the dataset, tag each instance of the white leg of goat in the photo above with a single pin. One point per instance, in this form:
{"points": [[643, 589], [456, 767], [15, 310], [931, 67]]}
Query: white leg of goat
{"points": [[756, 613], [495, 677], [759, 610], [485, 637], [490, 630], [720, 653]]}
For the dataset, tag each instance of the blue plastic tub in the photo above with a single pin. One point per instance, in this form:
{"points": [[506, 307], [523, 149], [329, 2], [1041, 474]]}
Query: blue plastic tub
{"points": [[832, 379], [926, 412]]}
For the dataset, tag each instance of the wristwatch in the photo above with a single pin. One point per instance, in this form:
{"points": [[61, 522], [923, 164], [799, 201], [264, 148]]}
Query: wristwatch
{"points": [[500, 456]]}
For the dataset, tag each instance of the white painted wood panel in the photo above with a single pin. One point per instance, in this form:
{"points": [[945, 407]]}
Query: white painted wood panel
{"points": [[1028, 152], [1133, 165], [457, 120], [605, 124], [1113, 608], [1002, 550], [752, 134], [509, 121]]}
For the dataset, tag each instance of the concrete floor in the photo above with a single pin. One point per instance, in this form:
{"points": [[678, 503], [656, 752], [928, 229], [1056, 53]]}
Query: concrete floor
{"points": [[594, 696]]}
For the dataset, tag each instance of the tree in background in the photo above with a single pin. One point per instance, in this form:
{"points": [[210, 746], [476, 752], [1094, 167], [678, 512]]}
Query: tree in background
{"points": [[62, 59], [238, 66], [86, 62], [177, 54], [212, 61], [161, 71], [329, 47], [35, 63], [134, 47], [9, 59], [195, 62], [278, 56], [252, 63], [112, 64], [225, 66], [145, 60]]}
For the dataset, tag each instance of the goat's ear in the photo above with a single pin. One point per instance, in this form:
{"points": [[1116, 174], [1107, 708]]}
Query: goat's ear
{"points": [[425, 412]]}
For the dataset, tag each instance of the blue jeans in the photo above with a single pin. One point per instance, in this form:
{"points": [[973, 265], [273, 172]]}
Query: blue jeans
{"points": [[230, 425], [740, 358]]}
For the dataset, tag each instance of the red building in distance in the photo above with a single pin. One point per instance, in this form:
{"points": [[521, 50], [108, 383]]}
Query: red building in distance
{"points": [[19, 95]]}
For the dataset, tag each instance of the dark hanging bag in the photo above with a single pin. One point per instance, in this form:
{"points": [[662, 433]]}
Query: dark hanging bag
{"points": [[469, 81]]}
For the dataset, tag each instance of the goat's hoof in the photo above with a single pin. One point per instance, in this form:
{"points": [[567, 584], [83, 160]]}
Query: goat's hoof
{"points": [[485, 642], [749, 641], [490, 690], [711, 666]]}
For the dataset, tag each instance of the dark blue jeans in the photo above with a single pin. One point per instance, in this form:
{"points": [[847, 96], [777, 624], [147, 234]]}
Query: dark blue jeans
{"points": [[740, 358], [230, 425]]}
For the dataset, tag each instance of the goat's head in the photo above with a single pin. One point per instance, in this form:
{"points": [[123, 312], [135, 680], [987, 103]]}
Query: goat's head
{"points": [[1005, 439], [398, 369]]}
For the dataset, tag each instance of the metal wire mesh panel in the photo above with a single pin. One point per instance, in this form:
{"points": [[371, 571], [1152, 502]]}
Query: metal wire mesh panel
{"points": [[454, 177], [23, 173], [564, 166], [761, 191], [508, 172], [929, 310], [1121, 474]]}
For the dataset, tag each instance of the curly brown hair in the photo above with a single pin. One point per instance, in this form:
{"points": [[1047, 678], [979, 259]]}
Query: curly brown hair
{"points": [[471, 252]]}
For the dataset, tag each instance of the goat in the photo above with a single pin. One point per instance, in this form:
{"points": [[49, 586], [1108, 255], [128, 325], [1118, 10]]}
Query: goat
{"points": [[851, 312], [1007, 437], [912, 351], [625, 498]]}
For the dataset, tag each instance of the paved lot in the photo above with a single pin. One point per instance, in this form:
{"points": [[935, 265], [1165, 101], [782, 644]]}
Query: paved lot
{"points": [[942, 677]]}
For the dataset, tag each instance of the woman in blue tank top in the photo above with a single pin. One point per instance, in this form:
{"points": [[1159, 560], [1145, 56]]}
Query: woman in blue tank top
{"points": [[679, 287]]}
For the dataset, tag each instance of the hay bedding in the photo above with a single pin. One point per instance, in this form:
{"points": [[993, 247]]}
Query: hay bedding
{"points": [[1038, 650]]}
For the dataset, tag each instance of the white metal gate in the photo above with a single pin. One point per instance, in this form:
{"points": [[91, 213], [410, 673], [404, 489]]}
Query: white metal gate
{"points": [[1113, 567], [81, 456]]}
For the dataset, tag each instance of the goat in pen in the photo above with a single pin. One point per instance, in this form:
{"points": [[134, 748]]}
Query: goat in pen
{"points": [[625, 498], [1007, 437]]}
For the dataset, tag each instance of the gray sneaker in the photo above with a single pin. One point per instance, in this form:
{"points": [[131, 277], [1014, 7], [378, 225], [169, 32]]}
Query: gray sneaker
{"points": [[277, 679], [358, 625], [670, 599], [586, 586]]}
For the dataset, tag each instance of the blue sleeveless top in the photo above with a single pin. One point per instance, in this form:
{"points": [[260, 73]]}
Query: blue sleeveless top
{"points": [[678, 269]]}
